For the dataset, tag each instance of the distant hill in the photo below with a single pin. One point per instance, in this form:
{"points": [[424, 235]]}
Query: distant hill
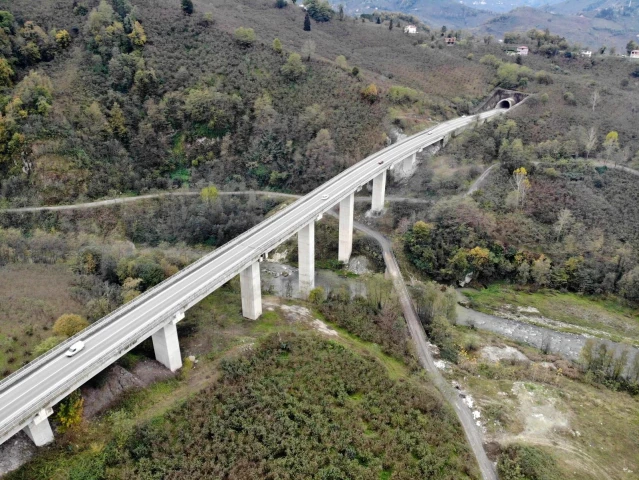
{"points": [[433, 12], [591, 26]]}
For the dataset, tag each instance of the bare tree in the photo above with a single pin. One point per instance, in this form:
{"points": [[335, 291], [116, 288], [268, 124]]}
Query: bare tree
{"points": [[594, 99], [308, 49], [564, 220], [590, 141]]}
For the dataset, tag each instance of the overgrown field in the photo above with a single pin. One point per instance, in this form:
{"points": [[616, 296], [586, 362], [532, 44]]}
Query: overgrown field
{"points": [[268, 399], [31, 298]]}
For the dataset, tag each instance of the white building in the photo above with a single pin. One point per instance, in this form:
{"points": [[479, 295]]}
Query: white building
{"points": [[410, 29], [586, 53], [523, 50], [634, 54]]}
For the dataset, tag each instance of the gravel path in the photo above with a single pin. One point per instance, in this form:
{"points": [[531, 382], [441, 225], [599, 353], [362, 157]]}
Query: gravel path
{"points": [[119, 201]]}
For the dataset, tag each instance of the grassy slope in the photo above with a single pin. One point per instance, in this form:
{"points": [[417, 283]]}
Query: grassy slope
{"points": [[383, 53]]}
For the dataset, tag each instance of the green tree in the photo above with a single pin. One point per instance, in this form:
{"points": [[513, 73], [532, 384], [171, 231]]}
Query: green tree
{"points": [[281, 3], [6, 21], [293, 68], [277, 45], [632, 45], [307, 22], [245, 36], [629, 285], [187, 6], [341, 12], [68, 325], [319, 10], [390, 25]]}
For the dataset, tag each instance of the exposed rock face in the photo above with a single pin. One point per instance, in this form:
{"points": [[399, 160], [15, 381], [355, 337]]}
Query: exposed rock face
{"points": [[118, 381], [15, 452]]}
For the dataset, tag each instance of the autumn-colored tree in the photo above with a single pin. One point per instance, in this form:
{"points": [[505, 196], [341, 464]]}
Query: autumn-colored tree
{"points": [[63, 39], [69, 324], [70, 411], [6, 73], [117, 121], [137, 36], [370, 93], [209, 194], [520, 177]]}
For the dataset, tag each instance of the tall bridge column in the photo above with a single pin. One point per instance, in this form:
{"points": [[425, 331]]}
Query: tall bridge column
{"points": [[409, 162], [39, 430], [306, 258], [346, 209], [379, 189], [167, 346], [251, 291]]}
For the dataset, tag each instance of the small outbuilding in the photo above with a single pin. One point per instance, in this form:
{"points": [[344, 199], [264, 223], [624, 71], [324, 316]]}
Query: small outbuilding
{"points": [[410, 29]]}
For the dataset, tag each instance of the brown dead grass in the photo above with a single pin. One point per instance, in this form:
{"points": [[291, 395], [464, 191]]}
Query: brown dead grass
{"points": [[31, 298]]}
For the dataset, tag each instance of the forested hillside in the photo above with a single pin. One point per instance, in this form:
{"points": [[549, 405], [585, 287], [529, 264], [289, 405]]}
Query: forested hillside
{"points": [[123, 96]]}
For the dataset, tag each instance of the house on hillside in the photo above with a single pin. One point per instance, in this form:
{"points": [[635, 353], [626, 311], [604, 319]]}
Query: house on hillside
{"points": [[522, 50], [451, 40], [634, 54], [586, 53], [410, 29]]}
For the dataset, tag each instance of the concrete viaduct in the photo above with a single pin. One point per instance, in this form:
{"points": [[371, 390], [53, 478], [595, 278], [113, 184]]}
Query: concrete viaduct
{"points": [[28, 395]]}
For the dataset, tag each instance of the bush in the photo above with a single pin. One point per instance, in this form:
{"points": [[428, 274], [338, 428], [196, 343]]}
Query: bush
{"points": [[317, 296], [68, 325], [245, 36], [70, 411], [524, 462], [293, 68], [370, 93], [47, 345]]}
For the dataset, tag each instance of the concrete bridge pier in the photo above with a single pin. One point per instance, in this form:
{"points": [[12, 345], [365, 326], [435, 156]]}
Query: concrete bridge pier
{"points": [[346, 210], [251, 291], [409, 162], [306, 258], [167, 346], [39, 430], [379, 189]]}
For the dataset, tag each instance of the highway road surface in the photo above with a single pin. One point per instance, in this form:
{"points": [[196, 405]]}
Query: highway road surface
{"points": [[49, 378]]}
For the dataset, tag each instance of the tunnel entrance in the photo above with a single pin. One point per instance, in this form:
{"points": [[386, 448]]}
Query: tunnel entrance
{"points": [[506, 103]]}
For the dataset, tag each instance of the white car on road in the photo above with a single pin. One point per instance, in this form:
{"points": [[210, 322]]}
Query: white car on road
{"points": [[75, 348]]}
